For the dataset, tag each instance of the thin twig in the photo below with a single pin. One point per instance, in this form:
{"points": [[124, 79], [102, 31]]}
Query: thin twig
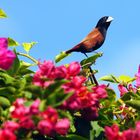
{"points": [[28, 56]]}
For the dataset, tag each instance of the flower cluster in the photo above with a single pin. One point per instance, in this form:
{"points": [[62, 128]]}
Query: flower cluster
{"points": [[124, 89], [46, 123], [82, 98], [6, 56], [47, 73], [113, 133], [129, 88]]}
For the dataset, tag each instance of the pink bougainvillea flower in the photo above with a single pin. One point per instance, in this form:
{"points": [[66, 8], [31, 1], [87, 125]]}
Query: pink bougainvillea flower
{"points": [[138, 77], [41, 80], [18, 102], [100, 91], [132, 134], [3, 43], [27, 123], [10, 125], [60, 72], [45, 127], [138, 125], [50, 114], [122, 89], [6, 134], [18, 110], [62, 126], [137, 130], [131, 88], [73, 69], [47, 69], [129, 135], [78, 81], [37, 79], [34, 108], [51, 125], [78, 100], [7, 57], [112, 133], [46, 74]]}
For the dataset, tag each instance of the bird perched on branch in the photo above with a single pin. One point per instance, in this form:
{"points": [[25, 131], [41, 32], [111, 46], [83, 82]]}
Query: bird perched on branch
{"points": [[95, 38]]}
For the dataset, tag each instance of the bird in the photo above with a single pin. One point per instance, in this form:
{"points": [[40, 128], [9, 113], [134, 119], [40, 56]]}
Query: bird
{"points": [[95, 38]]}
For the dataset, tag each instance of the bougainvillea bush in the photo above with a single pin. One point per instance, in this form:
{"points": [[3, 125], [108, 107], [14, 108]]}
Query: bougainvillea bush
{"points": [[63, 102]]}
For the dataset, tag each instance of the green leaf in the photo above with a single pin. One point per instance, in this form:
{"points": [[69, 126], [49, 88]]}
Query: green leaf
{"points": [[110, 78], [35, 90], [125, 79], [55, 94], [2, 14], [4, 102], [27, 46], [61, 56], [71, 137], [27, 94], [111, 94], [15, 66], [23, 70], [5, 78], [97, 129], [130, 95], [6, 91], [105, 116], [54, 87], [24, 65], [12, 42], [134, 103], [22, 83], [58, 97], [90, 60], [28, 103], [42, 105]]}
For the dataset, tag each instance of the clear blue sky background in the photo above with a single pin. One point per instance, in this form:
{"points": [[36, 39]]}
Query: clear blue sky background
{"points": [[58, 25]]}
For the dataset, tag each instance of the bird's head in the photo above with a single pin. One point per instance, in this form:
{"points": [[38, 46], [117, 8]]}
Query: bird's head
{"points": [[104, 22]]}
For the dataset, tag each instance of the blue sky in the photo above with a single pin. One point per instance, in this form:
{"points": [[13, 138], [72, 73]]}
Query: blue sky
{"points": [[58, 25]]}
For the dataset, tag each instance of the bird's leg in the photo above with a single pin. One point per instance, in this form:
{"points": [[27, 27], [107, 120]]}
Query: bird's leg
{"points": [[93, 76], [86, 55], [92, 82], [91, 79]]}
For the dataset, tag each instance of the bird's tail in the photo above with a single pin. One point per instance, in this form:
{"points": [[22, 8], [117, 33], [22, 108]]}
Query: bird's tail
{"points": [[69, 51], [74, 49]]}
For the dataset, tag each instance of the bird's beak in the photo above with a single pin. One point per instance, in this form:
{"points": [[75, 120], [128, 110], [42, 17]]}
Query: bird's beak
{"points": [[109, 19]]}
